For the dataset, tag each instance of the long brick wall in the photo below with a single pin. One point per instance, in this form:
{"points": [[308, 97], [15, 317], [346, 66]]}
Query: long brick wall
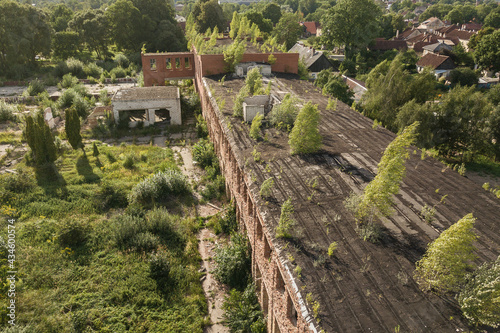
{"points": [[279, 296]]}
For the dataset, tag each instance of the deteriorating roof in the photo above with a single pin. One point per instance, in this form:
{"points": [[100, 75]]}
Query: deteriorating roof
{"points": [[308, 54], [461, 34], [364, 287], [433, 60], [145, 93], [436, 47], [383, 45]]}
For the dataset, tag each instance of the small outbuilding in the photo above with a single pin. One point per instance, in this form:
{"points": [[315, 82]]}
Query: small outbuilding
{"points": [[148, 105]]}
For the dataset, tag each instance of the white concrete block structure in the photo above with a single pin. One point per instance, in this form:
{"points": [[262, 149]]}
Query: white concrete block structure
{"points": [[148, 105]]}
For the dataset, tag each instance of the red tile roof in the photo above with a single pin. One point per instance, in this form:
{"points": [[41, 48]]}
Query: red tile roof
{"points": [[311, 27], [461, 34], [383, 45], [432, 60]]}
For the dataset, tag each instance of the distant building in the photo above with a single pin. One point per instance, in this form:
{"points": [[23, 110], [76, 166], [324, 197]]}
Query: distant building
{"points": [[311, 29], [436, 48], [380, 44], [315, 60], [442, 65], [431, 24]]}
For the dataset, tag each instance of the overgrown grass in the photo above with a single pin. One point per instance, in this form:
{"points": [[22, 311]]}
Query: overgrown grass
{"points": [[82, 266], [484, 165]]}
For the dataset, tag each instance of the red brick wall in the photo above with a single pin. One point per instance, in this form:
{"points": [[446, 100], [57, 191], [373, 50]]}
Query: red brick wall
{"points": [[277, 293], [157, 76], [206, 64]]}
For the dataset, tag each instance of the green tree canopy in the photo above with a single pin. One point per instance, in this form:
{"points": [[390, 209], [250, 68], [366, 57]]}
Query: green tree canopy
{"points": [[208, 14], [487, 52], [60, 17], [305, 137], [352, 24], [288, 30], [25, 32], [40, 139], [463, 76], [72, 128], [444, 265], [480, 298], [92, 26], [272, 12]]}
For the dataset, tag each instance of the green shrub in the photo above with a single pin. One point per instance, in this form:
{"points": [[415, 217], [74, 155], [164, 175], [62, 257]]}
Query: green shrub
{"points": [[122, 60], [7, 112], [92, 70], [109, 196], [286, 222], [81, 106], [68, 81], [145, 241], [129, 161], [159, 187], [203, 153], [72, 233], [266, 187], [75, 67], [228, 221], [201, 127], [214, 188], [232, 262], [242, 311], [34, 88], [118, 72], [282, 116], [20, 182], [370, 232], [159, 269], [255, 127]]}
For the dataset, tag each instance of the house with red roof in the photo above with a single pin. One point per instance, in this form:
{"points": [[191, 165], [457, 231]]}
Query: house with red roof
{"points": [[311, 28], [441, 65]]}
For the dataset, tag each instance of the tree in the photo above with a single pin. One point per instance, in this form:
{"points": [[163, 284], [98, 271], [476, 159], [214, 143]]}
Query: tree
{"points": [[288, 30], [233, 55], [242, 311], [254, 81], [265, 25], [338, 89], [286, 221], [255, 127], [493, 19], [352, 24], [463, 76], [494, 132], [65, 44], [480, 298], [475, 38], [445, 263], [424, 114], [272, 12], [126, 24], [305, 137], [283, 115], [208, 14], [60, 17], [460, 123], [390, 86], [40, 139], [72, 128], [232, 262], [377, 197], [92, 26], [235, 25], [24, 34], [487, 52]]}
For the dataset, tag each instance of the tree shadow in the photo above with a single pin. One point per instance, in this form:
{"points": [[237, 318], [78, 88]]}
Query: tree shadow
{"points": [[98, 162], [84, 169], [49, 178]]}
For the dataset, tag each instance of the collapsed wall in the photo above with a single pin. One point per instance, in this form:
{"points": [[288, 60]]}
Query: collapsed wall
{"points": [[278, 294]]}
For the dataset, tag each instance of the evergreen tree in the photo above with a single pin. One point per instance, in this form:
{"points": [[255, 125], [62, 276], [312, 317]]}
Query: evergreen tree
{"points": [[305, 137], [95, 150], [255, 127], [72, 128], [40, 140], [444, 265]]}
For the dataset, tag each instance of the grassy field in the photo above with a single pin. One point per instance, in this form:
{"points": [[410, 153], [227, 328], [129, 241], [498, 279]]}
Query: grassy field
{"points": [[88, 259]]}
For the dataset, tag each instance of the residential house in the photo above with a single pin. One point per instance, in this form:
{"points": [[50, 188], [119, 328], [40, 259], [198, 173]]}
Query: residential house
{"points": [[314, 60], [442, 65], [311, 29], [380, 44], [436, 48], [431, 24], [462, 36]]}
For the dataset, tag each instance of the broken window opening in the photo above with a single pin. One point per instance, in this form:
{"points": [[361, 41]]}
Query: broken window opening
{"points": [[162, 116], [152, 64], [177, 62], [186, 63], [168, 63]]}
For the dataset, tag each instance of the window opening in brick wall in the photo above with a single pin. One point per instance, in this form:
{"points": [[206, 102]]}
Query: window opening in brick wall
{"points": [[177, 62], [187, 64], [267, 249], [280, 283], [291, 312], [169, 63], [152, 64]]}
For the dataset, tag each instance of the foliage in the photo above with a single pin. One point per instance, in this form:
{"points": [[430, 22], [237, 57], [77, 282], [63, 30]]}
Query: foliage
{"points": [[351, 23], [34, 88], [338, 89], [7, 112], [40, 139], [487, 52], [24, 34], [68, 81], [272, 11], [208, 14], [232, 262], [390, 86], [445, 263], [95, 150], [254, 81], [304, 137], [243, 93], [255, 127], [377, 195], [203, 153], [242, 311], [65, 44], [302, 70], [266, 188], [72, 128], [463, 76], [288, 30], [479, 299], [332, 248], [233, 55], [159, 186], [286, 222]]}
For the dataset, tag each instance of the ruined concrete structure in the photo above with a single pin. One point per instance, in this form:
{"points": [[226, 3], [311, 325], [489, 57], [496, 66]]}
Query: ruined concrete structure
{"points": [[148, 105]]}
